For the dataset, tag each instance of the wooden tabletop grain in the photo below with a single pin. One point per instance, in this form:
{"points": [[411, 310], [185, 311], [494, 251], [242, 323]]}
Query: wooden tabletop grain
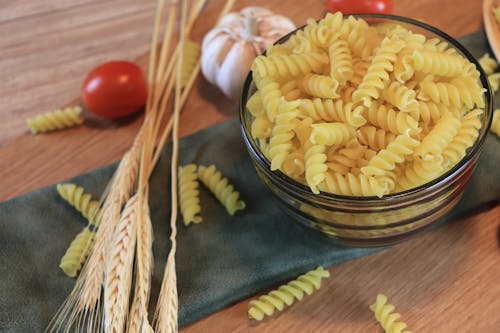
{"points": [[443, 280]]}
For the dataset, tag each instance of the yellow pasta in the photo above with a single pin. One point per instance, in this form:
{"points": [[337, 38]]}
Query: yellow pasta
{"points": [[320, 86], [340, 61], [488, 64], [377, 76], [387, 158], [286, 294], [495, 124], [315, 166], [331, 133], [77, 252], [385, 315], [494, 80], [220, 187], [280, 143], [438, 63], [354, 109], [189, 194], [56, 120], [76, 197], [289, 65], [191, 55]]}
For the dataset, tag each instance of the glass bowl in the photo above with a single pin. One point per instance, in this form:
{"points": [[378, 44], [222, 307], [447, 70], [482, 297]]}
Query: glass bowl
{"points": [[371, 221]]}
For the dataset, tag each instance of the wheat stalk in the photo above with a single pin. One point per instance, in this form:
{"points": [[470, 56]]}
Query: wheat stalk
{"points": [[138, 317], [117, 283]]}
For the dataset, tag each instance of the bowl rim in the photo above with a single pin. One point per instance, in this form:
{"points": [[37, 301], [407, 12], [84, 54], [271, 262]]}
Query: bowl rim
{"points": [[446, 177]]}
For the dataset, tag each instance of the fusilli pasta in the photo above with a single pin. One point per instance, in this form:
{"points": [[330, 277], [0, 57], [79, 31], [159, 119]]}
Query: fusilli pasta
{"points": [[220, 187], [77, 252], [191, 56], [286, 295], [56, 120], [76, 197], [189, 194], [385, 315], [495, 124]]}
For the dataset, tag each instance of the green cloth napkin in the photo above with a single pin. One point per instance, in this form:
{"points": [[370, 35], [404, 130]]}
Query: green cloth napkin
{"points": [[220, 261]]}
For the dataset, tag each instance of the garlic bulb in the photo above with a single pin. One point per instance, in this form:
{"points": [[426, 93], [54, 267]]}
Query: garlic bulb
{"points": [[229, 49]]}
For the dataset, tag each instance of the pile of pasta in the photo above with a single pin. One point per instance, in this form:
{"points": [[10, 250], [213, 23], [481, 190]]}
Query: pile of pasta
{"points": [[364, 110]]}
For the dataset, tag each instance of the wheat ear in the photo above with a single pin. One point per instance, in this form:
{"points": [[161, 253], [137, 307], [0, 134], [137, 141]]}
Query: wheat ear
{"points": [[123, 183], [138, 318], [117, 283]]}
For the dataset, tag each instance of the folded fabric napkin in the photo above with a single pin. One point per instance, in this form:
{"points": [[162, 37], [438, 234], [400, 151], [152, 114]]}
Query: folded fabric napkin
{"points": [[219, 261]]}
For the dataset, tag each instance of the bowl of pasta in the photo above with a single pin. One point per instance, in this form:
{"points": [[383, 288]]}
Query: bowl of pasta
{"points": [[366, 127]]}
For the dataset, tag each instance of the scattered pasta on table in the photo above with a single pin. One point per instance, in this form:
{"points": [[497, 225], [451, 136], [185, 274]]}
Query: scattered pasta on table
{"points": [[56, 120], [221, 188], [189, 194], [286, 294], [385, 315]]}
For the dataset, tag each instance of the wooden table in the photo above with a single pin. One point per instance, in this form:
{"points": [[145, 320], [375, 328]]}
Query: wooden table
{"points": [[443, 280]]}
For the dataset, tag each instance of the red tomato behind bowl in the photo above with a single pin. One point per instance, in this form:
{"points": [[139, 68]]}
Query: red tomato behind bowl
{"points": [[359, 6], [115, 89]]}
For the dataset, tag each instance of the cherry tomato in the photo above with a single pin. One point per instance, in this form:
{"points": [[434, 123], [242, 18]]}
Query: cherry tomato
{"points": [[115, 89], [359, 6]]}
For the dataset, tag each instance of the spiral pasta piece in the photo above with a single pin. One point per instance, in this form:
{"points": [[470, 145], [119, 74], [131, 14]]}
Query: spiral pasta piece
{"points": [[294, 164], [255, 104], [456, 93], [329, 110], [331, 133], [357, 185], [401, 97], [438, 138], [316, 167], [391, 120], [375, 138], [386, 159], [464, 138], [76, 197], [403, 67], [340, 61], [417, 173], [360, 37], [318, 34], [220, 187], [289, 65], [291, 90], [56, 120], [189, 194], [438, 63], [286, 294], [488, 64], [271, 96], [495, 123], [77, 252], [191, 55], [320, 86], [431, 112], [280, 143], [261, 128], [494, 80], [385, 315], [345, 159], [377, 75]]}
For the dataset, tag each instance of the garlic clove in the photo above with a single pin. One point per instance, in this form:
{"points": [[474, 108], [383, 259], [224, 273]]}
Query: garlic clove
{"points": [[233, 72], [213, 51]]}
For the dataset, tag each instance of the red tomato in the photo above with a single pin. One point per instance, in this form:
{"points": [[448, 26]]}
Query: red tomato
{"points": [[115, 89], [359, 6]]}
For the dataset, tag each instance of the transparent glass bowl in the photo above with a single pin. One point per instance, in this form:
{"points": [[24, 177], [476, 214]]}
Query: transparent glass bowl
{"points": [[371, 221]]}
